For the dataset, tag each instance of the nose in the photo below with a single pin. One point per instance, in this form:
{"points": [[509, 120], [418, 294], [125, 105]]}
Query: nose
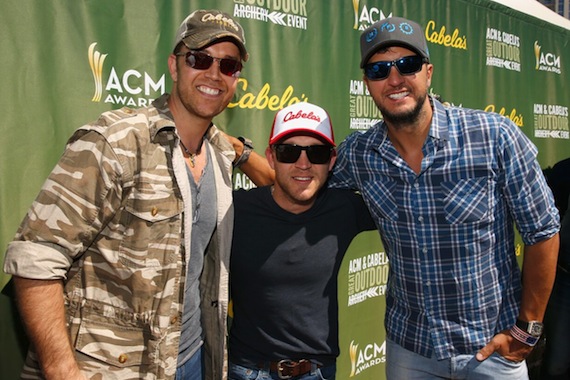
{"points": [[303, 161], [394, 75], [214, 69]]}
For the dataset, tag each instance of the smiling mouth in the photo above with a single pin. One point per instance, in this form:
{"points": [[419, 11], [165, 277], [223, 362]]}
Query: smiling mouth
{"points": [[399, 95], [209, 90]]}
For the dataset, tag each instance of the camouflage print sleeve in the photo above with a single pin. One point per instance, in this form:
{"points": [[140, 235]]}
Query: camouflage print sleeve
{"points": [[79, 197]]}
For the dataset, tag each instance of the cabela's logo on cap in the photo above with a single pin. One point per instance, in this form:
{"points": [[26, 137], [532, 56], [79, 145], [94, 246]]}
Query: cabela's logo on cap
{"points": [[220, 19], [301, 115]]}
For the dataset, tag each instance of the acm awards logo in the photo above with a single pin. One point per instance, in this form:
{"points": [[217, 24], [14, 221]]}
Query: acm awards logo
{"points": [[546, 61], [130, 88], [367, 16], [369, 356]]}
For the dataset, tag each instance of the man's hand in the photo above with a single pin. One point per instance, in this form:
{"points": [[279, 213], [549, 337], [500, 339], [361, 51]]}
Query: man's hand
{"points": [[505, 345]]}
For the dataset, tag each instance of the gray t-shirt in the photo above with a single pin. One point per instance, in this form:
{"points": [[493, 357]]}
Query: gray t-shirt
{"points": [[203, 224]]}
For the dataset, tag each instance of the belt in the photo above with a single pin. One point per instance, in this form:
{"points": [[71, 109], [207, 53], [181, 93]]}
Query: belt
{"points": [[287, 369]]}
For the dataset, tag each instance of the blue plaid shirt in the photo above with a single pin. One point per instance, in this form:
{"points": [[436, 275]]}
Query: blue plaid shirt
{"points": [[449, 233]]}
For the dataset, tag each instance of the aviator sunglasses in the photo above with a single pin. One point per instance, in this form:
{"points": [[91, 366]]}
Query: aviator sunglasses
{"points": [[406, 66], [290, 153], [201, 61]]}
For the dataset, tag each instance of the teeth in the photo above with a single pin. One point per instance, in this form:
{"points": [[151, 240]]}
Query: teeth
{"points": [[399, 95], [208, 90], [303, 178]]}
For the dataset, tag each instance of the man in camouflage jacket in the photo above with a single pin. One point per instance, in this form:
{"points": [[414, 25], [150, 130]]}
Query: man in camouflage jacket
{"points": [[100, 261]]}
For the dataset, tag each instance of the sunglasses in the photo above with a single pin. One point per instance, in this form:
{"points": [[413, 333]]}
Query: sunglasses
{"points": [[406, 66], [290, 153], [201, 61]]}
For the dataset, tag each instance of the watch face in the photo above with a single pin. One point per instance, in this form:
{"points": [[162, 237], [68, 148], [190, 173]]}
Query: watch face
{"points": [[535, 328]]}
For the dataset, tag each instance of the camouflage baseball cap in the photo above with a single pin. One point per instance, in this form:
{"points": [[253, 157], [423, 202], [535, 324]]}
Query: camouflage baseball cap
{"points": [[204, 27]]}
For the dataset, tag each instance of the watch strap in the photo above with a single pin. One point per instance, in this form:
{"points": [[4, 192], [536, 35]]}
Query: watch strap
{"points": [[247, 148], [523, 336], [246, 142], [533, 328]]}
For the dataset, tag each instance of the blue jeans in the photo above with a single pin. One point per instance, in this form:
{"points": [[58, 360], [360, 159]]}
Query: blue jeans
{"points": [[193, 369], [238, 372], [404, 364]]}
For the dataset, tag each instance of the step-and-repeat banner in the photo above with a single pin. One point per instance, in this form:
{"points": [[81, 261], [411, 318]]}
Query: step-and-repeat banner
{"points": [[64, 62]]}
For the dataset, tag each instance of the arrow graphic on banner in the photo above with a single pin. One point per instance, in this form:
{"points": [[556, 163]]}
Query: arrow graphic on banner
{"points": [[372, 292], [557, 134], [277, 18]]}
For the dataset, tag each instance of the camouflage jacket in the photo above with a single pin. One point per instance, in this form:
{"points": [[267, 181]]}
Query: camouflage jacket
{"points": [[110, 222]]}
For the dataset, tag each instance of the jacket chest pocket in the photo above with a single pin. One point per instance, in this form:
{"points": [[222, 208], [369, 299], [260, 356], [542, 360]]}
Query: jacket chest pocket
{"points": [[152, 220]]}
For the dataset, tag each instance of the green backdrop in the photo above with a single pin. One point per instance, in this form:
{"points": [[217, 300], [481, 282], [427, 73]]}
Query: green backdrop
{"points": [[63, 62]]}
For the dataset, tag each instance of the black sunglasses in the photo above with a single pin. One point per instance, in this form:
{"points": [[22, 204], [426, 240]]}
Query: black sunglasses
{"points": [[406, 66], [201, 61], [290, 153]]}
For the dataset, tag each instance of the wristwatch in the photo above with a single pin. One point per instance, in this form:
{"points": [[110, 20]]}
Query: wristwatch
{"points": [[533, 328], [247, 148]]}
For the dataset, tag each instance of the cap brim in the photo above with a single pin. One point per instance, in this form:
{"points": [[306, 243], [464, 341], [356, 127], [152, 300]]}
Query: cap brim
{"points": [[191, 43], [300, 132], [387, 44]]}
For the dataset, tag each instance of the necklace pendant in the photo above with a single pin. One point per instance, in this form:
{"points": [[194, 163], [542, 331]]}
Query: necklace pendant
{"points": [[192, 156]]}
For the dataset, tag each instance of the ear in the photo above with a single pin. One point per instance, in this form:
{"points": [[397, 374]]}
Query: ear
{"points": [[269, 156], [173, 67], [429, 74]]}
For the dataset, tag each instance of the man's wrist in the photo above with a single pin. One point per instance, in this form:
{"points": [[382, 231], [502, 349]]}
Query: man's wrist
{"points": [[533, 328], [523, 336], [247, 148]]}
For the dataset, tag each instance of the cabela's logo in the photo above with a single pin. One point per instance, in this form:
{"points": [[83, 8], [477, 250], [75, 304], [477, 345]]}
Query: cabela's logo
{"points": [[130, 88], [443, 37], [514, 115], [266, 98], [301, 115]]}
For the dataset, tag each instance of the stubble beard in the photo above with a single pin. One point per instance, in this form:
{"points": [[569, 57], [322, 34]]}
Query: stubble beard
{"points": [[403, 119]]}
